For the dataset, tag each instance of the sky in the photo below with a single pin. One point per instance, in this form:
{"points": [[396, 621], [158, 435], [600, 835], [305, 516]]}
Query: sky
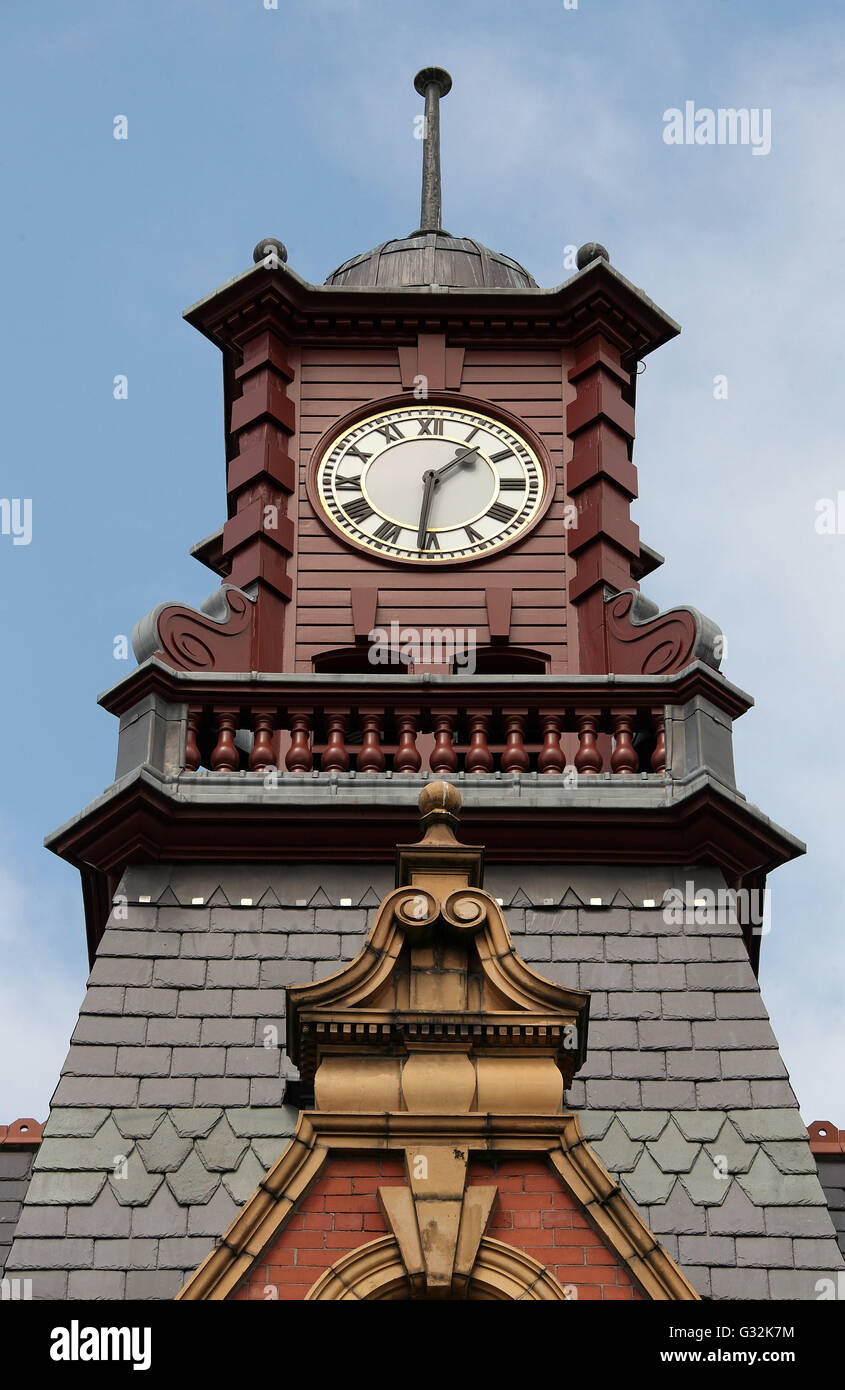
{"points": [[246, 120]]}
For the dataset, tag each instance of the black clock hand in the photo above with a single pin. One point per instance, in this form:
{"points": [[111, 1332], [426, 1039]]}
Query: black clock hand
{"points": [[430, 481], [463, 456]]}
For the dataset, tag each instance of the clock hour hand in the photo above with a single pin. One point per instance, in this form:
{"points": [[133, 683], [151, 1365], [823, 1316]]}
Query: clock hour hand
{"points": [[463, 456]]}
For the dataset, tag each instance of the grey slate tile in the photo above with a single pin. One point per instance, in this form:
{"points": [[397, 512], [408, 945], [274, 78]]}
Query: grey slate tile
{"points": [[124, 1254], [740, 1283], [644, 1124], [158, 1284], [707, 1250], [74, 1122], [195, 1123], [674, 1095], [180, 974], [222, 1090], [199, 1061], [70, 1253], [205, 1003], [92, 1285], [185, 1252], [162, 1216], [95, 1028], [665, 1033], [192, 1184], [737, 1216], [96, 1091], [143, 1061], [105, 1217], [816, 1254], [64, 1189], [222, 1150], [689, 1004], [215, 1217], [174, 1032], [167, 1090], [764, 1252]]}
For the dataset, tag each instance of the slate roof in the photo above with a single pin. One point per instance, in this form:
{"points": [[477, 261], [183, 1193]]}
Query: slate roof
{"points": [[170, 1107]]}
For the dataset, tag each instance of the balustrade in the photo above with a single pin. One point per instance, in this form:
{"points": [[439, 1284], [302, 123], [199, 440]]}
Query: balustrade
{"points": [[384, 737]]}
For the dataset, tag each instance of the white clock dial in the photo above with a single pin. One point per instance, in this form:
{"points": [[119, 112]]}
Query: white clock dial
{"points": [[430, 484]]}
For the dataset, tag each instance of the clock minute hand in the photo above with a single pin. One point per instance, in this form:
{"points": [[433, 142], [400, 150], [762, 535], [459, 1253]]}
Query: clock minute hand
{"points": [[430, 481]]}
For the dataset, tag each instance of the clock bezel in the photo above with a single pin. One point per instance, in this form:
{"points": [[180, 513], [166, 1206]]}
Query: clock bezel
{"points": [[406, 401]]}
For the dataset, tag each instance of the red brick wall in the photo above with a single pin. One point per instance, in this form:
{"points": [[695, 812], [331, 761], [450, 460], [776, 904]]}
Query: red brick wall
{"points": [[337, 1214], [536, 1214], [532, 1212]]}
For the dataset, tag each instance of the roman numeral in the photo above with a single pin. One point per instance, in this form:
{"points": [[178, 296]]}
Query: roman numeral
{"points": [[355, 452], [432, 426], [358, 510], [471, 435], [390, 432], [472, 535], [502, 513], [387, 532], [511, 484], [348, 484], [431, 541], [501, 456]]}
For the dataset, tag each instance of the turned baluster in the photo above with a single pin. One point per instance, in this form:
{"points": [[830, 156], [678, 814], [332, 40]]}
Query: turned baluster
{"points": [[225, 756], [658, 757], [407, 757], [479, 758], [335, 758], [551, 757], [192, 748], [515, 758], [588, 759], [298, 757], [371, 758], [443, 756], [262, 746], [623, 759]]}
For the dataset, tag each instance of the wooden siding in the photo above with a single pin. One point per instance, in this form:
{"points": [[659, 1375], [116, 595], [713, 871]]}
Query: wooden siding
{"points": [[528, 384]]}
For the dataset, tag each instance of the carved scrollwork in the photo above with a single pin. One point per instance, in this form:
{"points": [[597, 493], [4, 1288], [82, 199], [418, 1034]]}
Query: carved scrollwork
{"points": [[417, 912], [215, 637], [643, 641], [464, 911]]}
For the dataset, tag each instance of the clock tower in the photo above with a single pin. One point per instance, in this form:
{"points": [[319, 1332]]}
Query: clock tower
{"points": [[424, 911]]}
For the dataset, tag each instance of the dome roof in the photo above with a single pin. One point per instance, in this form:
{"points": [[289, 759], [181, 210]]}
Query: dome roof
{"points": [[432, 258]]}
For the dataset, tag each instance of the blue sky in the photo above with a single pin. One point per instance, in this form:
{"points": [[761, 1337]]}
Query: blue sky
{"points": [[298, 123]]}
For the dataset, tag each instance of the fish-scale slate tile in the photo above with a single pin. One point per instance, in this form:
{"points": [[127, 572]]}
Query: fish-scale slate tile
{"points": [[644, 1124], [616, 1150], [646, 1182], [222, 1150], [137, 1124], [595, 1123], [242, 1183], [672, 1152], [763, 1125], [165, 1150], [99, 1151], [192, 1183], [705, 1183], [131, 1184], [790, 1155], [64, 1189], [699, 1125], [267, 1122], [70, 1123], [731, 1150], [768, 1187], [195, 1123], [269, 1151]]}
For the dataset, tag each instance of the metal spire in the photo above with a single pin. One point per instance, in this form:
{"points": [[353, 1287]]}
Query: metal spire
{"points": [[431, 83]]}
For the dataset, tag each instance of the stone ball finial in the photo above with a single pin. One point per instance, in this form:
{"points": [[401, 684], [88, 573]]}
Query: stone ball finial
{"points": [[440, 798], [591, 251], [270, 247]]}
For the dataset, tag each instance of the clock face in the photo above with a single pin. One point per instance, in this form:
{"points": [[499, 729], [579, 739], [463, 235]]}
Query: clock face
{"points": [[430, 484]]}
